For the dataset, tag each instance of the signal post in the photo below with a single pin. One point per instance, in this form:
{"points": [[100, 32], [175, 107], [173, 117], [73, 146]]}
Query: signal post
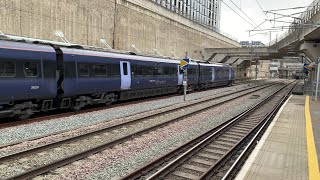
{"points": [[184, 64]]}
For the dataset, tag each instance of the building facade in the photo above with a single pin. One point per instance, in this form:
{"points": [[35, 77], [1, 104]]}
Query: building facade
{"points": [[204, 12]]}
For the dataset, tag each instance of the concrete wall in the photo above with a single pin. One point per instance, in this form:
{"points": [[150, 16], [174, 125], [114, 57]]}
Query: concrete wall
{"points": [[121, 22], [263, 70]]}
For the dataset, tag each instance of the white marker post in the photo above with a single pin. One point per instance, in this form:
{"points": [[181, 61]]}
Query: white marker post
{"points": [[184, 64]]}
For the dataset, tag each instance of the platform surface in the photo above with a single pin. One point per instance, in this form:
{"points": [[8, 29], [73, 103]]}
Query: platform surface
{"points": [[282, 153]]}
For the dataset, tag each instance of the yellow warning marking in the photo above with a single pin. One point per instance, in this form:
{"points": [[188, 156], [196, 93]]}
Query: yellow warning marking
{"points": [[183, 63], [313, 165]]}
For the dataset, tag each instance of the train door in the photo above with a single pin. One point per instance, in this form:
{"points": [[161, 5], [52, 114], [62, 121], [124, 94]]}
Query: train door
{"points": [[230, 73], [125, 71], [180, 75]]}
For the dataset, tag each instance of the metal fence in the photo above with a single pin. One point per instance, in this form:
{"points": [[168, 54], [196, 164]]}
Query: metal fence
{"points": [[303, 20]]}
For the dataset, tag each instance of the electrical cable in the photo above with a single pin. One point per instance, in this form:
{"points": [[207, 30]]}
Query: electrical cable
{"points": [[244, 13], [238, 14], [262, 10]]}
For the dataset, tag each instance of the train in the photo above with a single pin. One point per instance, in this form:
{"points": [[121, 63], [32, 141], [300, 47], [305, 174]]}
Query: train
{"points": [[40, 77]]}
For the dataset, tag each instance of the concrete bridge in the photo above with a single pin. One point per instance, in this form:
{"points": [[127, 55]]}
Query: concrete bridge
{"points": [[303, 36]]}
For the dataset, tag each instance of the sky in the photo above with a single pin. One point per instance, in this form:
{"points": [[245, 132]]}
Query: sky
{"points": [[235, 26]]}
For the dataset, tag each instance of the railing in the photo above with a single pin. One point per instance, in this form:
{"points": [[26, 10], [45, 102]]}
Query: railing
{"points": [[303, 19]]}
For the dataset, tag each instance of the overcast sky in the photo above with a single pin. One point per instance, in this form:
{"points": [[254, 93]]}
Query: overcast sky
{"points": [[234, 25]]}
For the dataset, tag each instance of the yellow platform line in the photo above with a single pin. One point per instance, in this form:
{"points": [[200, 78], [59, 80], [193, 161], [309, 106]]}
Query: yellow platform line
{"points": [[313, 165]]}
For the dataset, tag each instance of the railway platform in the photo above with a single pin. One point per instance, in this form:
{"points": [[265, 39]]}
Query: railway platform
{"points": [[290, 147]]}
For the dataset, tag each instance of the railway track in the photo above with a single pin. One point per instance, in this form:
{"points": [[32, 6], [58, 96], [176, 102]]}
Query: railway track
{"points": [[11, 122], [106, 137], [219, 153], [221, 94]]}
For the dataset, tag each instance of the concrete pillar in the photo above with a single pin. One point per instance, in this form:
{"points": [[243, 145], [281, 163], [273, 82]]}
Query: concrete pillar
{"points": [[311, 50]]}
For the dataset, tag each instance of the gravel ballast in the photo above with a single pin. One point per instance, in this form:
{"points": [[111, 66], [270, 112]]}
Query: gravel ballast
{"points": [[74, 147], [118, 161], [33, 130]]}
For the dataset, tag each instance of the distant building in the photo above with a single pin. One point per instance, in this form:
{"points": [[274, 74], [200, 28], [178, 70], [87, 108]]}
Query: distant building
{"points": [[252, 44], [205, 12]]}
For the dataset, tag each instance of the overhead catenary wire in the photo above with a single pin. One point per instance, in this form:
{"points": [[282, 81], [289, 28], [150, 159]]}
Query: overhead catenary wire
{"points": [[255, 25], [262, 10], [281, 16], [237, 13], [243, 13]]}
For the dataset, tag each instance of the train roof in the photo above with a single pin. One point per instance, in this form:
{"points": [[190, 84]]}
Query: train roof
{"points": [[215, 64], [85, 52], [16, 45], [43, 45]]}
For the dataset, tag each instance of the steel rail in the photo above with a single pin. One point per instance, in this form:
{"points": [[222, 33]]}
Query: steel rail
{"points": [[150, 166], [45, 168], [252, 143], [54, 144], [186, 154], [262, 124]]}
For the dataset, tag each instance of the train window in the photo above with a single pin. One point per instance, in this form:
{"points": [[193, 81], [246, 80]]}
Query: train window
{"points": [[168, 71], [157, 71], [192, 71], [84, 69], [7, 69], [31, 69], [137, 70], [125, 69], [100, 70], [113, 70], [147, 71]]}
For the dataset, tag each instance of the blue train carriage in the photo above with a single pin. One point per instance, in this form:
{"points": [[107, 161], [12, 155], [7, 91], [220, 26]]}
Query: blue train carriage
{"points": [[193, 75], [93, 77], [90, 77], [213, 75], [223, 74], [28, 81], [150, 76]]}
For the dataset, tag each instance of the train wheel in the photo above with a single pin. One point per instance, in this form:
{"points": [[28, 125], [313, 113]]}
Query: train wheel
{"points": [[75, 108], [27, 113], [108, 103], [22, 116]]}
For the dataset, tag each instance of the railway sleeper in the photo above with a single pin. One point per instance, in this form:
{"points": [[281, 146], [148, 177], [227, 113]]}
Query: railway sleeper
{"points": [[234, 133], [184, 175], [195, 168], [212, 151], [249, 123], [218, 147], [201, 161], [225, 139], [238, 129], [242, 127], [225, 144], [232, 137], [209, 156]]}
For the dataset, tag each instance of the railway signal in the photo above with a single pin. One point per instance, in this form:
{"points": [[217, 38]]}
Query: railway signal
{"points": [[184, 64]]}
